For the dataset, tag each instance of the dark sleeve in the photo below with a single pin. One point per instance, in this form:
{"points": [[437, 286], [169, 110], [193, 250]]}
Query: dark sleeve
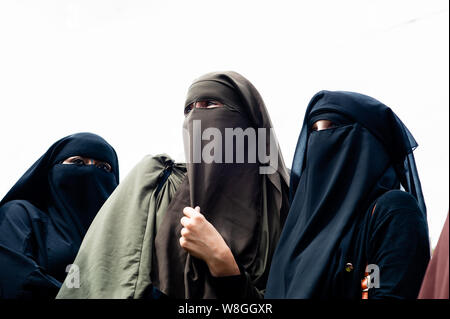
{"points": [[398, 244], [21, 275], [236, 287]]}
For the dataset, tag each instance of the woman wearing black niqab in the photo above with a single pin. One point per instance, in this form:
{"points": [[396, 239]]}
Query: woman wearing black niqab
{"points": [[347, 210], [46, 214]]}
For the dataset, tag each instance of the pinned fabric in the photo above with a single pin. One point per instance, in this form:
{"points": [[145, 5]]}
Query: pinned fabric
{"points": [[338, 175], [246, 207], [46, 214]]}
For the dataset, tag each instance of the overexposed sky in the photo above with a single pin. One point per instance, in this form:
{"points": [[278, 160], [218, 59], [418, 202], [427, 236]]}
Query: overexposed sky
{"points": [[121, 69]]}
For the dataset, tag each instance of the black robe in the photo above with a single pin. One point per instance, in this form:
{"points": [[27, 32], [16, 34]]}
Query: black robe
{"points": [[347, 210], [46, 214]]}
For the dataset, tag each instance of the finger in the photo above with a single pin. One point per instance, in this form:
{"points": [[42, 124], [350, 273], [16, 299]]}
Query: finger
{"points": [[183, 242], [188, 211], [185, 221], [197, 214], [184, 232]]}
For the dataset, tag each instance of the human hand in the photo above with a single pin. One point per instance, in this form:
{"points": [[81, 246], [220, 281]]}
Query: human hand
{"points": [[202, 240]]}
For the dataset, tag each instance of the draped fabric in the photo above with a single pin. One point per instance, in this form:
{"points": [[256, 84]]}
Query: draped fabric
{"points": [[114, 259], [45, 215], [339, 175], [229, 189]]}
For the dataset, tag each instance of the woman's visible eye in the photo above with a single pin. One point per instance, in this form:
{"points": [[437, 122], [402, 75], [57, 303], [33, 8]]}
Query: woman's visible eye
{"points": [[104, 166], [213, 104], [188, 108], [323, 125], [77, 161], [207, 104]]}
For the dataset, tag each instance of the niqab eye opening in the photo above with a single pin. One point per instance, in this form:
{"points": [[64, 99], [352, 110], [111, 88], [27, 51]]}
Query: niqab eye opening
{"points": [[82, 161], [202, 104], [333, 120]]}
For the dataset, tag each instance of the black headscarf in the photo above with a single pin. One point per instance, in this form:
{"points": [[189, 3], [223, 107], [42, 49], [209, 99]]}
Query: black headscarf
{"points": [[230, 194], [60, 200], [337, 174]]}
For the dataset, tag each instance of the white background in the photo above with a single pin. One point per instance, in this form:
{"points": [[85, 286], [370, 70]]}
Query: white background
{"points": [[121, 69]]}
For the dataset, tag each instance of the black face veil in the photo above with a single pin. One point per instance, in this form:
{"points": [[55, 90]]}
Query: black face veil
{"points": [[337, 174], [70, 194], [50, 209]]}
